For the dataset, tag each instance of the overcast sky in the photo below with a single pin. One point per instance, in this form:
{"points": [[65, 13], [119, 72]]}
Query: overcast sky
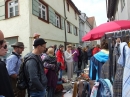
{"points": [[95, 8]]}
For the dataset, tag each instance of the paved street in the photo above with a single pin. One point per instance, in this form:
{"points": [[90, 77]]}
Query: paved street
{"points": [[67, 86]]}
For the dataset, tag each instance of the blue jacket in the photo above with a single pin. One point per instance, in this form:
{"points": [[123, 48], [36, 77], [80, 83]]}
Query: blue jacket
{"points": [[103, 89], [96, 63]]}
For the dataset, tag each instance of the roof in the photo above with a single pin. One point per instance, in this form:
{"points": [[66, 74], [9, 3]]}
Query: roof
{"points": [[74, 6], [91, 20]]}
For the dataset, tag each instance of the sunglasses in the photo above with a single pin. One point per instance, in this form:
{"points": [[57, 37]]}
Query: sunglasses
{"points": [[5, 46], [1, 42]]}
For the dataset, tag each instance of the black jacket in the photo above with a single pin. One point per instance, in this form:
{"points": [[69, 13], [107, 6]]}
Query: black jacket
{"points": [[85, 56], [5, 85]]}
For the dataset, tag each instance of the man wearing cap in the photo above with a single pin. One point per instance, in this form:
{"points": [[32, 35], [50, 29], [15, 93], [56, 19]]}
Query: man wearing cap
{"points": [[34, 70], [13, 65], [5, 85]]}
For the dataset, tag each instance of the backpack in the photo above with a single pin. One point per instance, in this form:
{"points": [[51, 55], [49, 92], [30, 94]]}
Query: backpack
{"points": [[83, 89], [22, 81], [103, 89]]}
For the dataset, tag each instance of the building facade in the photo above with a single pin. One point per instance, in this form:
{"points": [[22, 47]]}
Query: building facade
{"points": [[118, 9], [57, 22], [84, 28], [86, 24]]}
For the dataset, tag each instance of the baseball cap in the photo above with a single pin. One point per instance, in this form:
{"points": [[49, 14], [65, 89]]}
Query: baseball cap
{"points": [[39, 41]]}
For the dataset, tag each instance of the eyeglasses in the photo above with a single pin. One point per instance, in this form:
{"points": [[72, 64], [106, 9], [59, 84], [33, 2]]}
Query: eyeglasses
{"points": [[5, 46], [43, 46]]}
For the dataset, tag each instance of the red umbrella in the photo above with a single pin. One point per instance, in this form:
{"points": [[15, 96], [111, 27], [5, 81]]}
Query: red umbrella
{"points": [[99, 31]]}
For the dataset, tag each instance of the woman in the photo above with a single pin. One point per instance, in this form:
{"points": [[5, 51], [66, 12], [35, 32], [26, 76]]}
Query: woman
{"points": [[5, 85], [69, 61], [50, 63], [60, 59], [75, 59], [85, 57], [98, 60], [96, 49]]}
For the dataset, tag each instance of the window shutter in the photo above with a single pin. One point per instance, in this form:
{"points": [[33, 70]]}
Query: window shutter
{"points": [[35, 7], [2, 9], [71, 28], [74, 30], [62, 23], [52, 16]]}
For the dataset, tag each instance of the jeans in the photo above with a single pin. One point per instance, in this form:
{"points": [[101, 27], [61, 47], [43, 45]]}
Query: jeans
{"points": [[60, 74], [38, 93]]}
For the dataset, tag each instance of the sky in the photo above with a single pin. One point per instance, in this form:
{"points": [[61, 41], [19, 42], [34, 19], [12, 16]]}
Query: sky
{"points": [[95, 8]]}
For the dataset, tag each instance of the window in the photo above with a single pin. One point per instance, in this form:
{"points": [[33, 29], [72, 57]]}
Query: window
{"points": [[13, 8], [42, 11], [68, 6], [75, 15], [58, 21], [68, 27], [122, 4], [75, 31]]}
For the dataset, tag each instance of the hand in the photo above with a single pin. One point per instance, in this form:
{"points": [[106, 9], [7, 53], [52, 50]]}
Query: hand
{"points": [[62, 64], [14, 76], [73, 54]]}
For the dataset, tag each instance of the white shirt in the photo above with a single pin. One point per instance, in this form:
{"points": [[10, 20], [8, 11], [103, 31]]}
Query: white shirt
{"points": [[68, 56]]}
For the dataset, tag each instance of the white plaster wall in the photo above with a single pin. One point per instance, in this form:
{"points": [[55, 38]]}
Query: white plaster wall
{"points": [[58, 5], [49, 31], [71, 16], [123, 14], [72, 38], [52, 43], [128, 8], [18, 26]]}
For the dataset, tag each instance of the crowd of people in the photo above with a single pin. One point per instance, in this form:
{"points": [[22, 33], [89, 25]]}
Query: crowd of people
{"points": [[43, 67]]}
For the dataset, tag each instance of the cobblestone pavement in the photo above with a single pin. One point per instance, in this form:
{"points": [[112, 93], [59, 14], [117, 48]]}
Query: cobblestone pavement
{"points": [[67, 86]]}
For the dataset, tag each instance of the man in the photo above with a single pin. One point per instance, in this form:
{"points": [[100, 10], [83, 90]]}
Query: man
{"points": [[80, 57], [89, 53], [5, 85], [55, 49], [34, 71], [36, 36], [13, 63]]}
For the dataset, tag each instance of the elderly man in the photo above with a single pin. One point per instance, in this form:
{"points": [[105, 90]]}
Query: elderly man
{"points": [[13, 65], [5, 85]]}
